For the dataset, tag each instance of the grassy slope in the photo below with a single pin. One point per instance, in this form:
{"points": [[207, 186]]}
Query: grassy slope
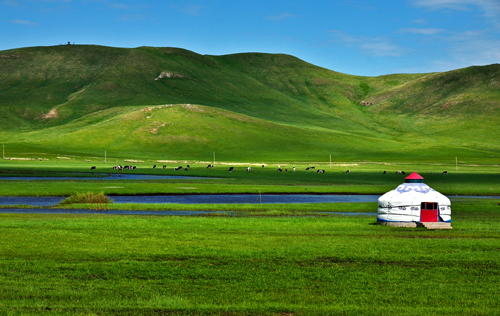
{"points": [[290, 108]]}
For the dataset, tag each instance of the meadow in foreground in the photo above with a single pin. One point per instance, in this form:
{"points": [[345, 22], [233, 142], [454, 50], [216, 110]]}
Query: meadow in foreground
{"points": [[140, 265]]}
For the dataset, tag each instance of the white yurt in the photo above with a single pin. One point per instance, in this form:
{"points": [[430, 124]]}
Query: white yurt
{"points": [[413, 202]]}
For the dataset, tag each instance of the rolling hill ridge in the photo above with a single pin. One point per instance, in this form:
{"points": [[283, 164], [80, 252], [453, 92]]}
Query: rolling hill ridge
{"points": [[82, 99]]}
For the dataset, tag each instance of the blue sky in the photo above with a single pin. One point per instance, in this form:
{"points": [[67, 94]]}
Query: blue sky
{"points": [[358, 37]]}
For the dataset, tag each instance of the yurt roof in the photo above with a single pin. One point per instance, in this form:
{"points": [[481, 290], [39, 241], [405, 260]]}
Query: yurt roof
{"points": [[412, 194], [414, 176]]}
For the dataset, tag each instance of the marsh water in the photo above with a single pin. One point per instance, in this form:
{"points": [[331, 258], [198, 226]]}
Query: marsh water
{"points": [[202, 199], [216, 199]]}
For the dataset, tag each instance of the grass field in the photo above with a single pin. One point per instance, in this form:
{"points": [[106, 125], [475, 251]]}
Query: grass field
{"points": [[134, 265], [271, 261]]}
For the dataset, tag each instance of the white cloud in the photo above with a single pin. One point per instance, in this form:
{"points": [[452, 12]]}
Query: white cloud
{"points": [[281, 17], [419, 21], [23, 22], [470, 48], [429, 31], [131, 18], [10, 3], [490, 7], [120, 6], [375, 46], [190, 9]]}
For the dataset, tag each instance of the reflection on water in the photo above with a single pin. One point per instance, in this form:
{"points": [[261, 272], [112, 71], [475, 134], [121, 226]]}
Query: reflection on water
{"points": [[203, 199], [215, 199]]}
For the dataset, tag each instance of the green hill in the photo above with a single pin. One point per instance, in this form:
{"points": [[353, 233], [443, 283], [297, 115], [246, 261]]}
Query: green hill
{"points": [[84, 99]]}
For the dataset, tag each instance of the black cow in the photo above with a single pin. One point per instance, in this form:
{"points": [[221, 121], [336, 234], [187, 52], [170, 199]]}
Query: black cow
{"points": [[307, 168], [280, 170], [188, 166], [210, 166], [154, 167], [186, 169], [262, 166], [348, 171], [231, 169], [445, 172], [403, 172], [385, 172], [320, 171], [92, 168], [178, 168], [164, 166]]}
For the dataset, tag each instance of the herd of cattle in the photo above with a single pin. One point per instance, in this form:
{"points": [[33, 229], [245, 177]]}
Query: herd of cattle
{"points": [[120, 168]]}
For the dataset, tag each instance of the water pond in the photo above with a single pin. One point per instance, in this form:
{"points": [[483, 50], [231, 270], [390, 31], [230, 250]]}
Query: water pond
{"points": [[202, 199], [217, 199]]}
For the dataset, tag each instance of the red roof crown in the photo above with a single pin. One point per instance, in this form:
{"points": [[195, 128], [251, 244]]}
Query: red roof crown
{"points": [[414, 176]]}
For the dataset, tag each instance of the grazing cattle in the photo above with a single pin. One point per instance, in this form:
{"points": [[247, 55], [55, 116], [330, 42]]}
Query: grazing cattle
{"points": [[210, 166], [92, 168], [280, 170], [262, 166], [249, 169], [307, 168], [320, 171], [154, 167], [178, 168], [231, 169], [348, 171], [445, 172], [398, 172], [403, 172], [313, 167], [286, 170], [294, 169], [186, 169], [117, 167], [385, 172], [188, 166], [133, 167], [164, 166]]}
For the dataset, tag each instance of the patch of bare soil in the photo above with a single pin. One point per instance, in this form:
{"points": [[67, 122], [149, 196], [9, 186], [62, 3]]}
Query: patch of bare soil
{"points": [[52, 114]]}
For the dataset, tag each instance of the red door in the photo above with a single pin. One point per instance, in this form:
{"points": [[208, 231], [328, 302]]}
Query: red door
{"points": [[428, 212]]}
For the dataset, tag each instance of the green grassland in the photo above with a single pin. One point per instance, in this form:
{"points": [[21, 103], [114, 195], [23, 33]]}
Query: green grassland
{"points": [[245, 107], [143, 265], [365, 178]]}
